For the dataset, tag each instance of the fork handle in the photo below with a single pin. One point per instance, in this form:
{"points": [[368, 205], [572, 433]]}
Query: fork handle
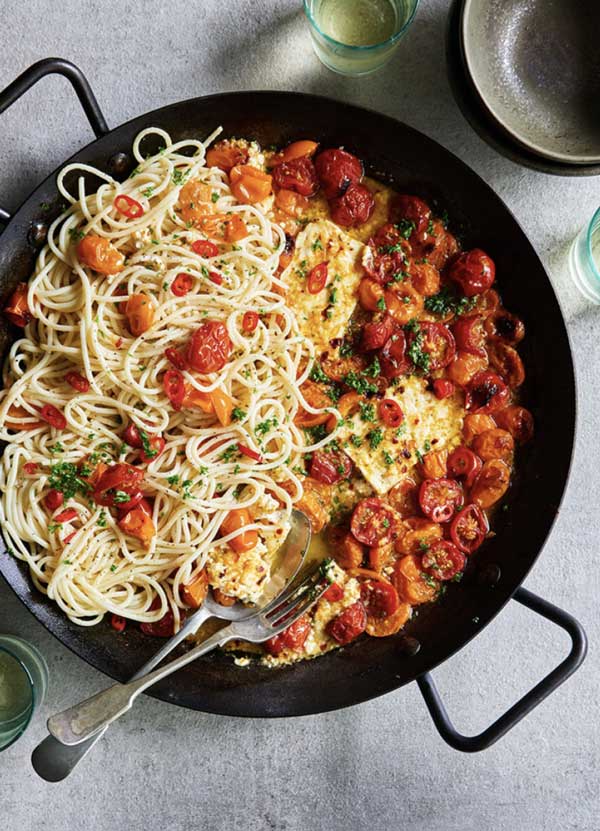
{"points": [[78, 723]]}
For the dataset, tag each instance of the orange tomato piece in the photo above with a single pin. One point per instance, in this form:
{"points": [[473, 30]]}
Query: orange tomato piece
{"points": [[235, 228], [381, 555], [249, 184], [425, 278], [347, 404], [475, 424], [138, 524], [435, 464], [315, 502], [403, 302], [193, 594], [195, 201], [236, 520], [100, 255], [216, 402], [491, 484], [16, 416], [465, 367], [337, 368], [494, 444], [403, 498], [416, 533], [140, 312], [317, 398], [382, 627], [369, 294], [290, 202], [225, 155], [410, 582], [295, 150], [222, 598], [17, 309], [345, 550]]}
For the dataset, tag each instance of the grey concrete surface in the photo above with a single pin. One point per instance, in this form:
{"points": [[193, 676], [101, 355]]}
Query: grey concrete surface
{"points": [[381, 765]]}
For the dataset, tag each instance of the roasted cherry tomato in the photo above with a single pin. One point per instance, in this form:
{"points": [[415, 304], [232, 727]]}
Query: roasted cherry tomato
{"points": [[174, 387], [50, 414], [53, 499], [17, 309], [376, 333], [205, 248], [465, 367], [351, 623], [155, 446], [379, 598], [403, 302], [425, 278], [334, 593], [225, 155], [491, 484], [469, 528], [249, 322], [292, 638], [403, 498], [475, 424], [317, 278], [140, 312], [298, 175], [390, 412], [236, 520], [117, 482], [353, 208], [118, 623], [127, 206], [433, 340], [474, 272], [337, 170], [505, 360], [440, 498], [132, 435], [387, 255], [464, 464], [504, 326], [209, 347], [163, 628], [518, 421], [100, 255], [443, 560], [30, 468], [249, 453], [372, 521], [410, 209], [295, 150], [392, 358], [249, 184], [486, 393], [494, 444], [330, 466], [443, 388], [182, 284], [77, 381], [318, 399], [469, 334], [412, 585]]}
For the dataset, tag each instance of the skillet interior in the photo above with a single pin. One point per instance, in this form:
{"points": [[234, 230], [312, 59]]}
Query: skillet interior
{"points": [[393, 152]]}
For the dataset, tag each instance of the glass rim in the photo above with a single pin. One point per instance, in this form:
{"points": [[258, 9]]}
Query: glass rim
{"points": [[588, 243], [8, 651], [388, 42]]}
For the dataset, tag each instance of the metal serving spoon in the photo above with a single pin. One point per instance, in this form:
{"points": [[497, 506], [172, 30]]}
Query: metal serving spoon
{"points": [[54, 761]]}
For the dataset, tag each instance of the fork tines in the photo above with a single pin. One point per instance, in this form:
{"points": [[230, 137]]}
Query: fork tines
{"points": [[294, 601]]}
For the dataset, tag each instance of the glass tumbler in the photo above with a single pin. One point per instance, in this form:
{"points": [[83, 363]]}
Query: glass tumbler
{"points": [[584, 260], [357, 37], [23, 683]]}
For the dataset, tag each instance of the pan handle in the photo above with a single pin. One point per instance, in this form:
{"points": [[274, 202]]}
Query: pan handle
{"points": [[531, 699], [55, 66]]}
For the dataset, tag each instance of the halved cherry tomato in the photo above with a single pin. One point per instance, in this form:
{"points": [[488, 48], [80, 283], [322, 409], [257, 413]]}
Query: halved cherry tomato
{"points": [[347, 626], [337, 170], [491, 484], [464, 464], [390, 236], [470, 335], [236, 520], [390, 412], [182, 284], [295, 150], [249, 322], [53, 416], [380, 599], [163, 628], [330, 466], [443, 388], [127, 206], [353, 208], [193, 594], [175, 358], [298, 175], [505, 360], [140, 312], [291, 202], [439, 498], [443, 560], [77, 381], [174, 387], [376, 333], [486, 393], [205, 248], [494, 444], [387, 254], [209, 347], [132, 435], [30, 468], [384, 627], [334, 593], [249, 184], [225, 155], [67, 515], [53, 499], [317, 278], [410, 209], [100, 255], [434, 340], [251, 454], [469, 528], [410, 583], [518, 421], [372, 521], [474, 272], [292, 638], [118, 623], [403, 498], [17, 309], [403, 302], [505, 327], [392, 358], [120, 477], [156, 446]]}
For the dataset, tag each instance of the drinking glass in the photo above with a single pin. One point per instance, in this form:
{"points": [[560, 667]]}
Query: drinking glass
{"points": [[334, 21], [584, 259], [23, 683]]}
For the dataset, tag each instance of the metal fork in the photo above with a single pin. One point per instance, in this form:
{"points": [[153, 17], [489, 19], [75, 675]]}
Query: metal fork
{"points": [[78, 723], [54, 761]]}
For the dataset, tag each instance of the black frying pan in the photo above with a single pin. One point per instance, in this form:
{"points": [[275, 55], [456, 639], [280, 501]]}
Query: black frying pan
{"points": [[396, 153]]}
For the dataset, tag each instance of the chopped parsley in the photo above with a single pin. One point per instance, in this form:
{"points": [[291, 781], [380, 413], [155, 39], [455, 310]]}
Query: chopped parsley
{"points": [[179, 176], [388, 458], [113, 567], [149, 451], [148, 191], [66, 478], [238, 414], [317, 374], [375, 438], [266, 426], [356, 441], [406, 227], [381, 304], [317, 245], [227, 455], [358, 382], [447, 301], [415, 352], [101, 522], [57, 448], [76, 234], [214, 196], [367, 411], [173, 480], [120, 497], [374, 369]]}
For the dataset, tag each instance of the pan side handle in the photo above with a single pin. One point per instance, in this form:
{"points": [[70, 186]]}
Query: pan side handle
{"points": [[55, 66], [531, 699]]}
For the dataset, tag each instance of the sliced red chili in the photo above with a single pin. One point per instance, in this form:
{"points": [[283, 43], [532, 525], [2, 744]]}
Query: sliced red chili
{"points": [[464, 464], [67, 515], [334, 593], [390, 412], [215, 278], [155, 446], [182, 284], [249, 322], [251, 454], [443, 560], [53, 416], [440, 498], [132, 435], [372, 521], [205, 248], [177, 359], [380, 598], [129, 207], [174, 387], [443, 388], [69, 537], [53, 499], [30, 468], [118, 623], [317, 278], [77, 381], [469, 528]]}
